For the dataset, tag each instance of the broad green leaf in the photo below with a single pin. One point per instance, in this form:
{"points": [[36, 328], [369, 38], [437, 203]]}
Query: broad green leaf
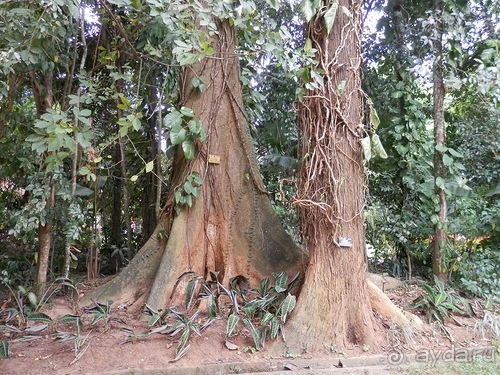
{"points": [[213, 306], [266, 318], [377, 146], [198, 83], [232, 321], [440, 183], [316, 76], [195, 178], [346, 11], [287, 306], [188, 188], [275, 325], [123, 131], [34, 138], [4, 349], [172, 119], [177, 134], [367, 149], [308, 45], [136, 4], [255, 333], [188, 59], [190, 292], [330, 15], [374, 117], [136, 123], [153, 320], [195, 191], [307, 9], [39, 317], [82, 191], [455, 153], [441, 148], [32, 298], [188, 149], [37, 328], [280, 282], [85, 112], [183, 340], [195, 126], [149, 166], [187, 112], [440, 298], [447, 160], [181, 353]]}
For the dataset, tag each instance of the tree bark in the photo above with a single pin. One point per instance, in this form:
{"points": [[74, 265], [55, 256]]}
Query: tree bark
{"points": [[44, 244], [440, 236], [43, 96], [333, 306], [231, 227], [151, 181], [116, 215]]}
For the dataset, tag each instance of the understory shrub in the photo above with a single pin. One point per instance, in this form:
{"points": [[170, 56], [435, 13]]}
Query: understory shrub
{"points": [[478, 273]]}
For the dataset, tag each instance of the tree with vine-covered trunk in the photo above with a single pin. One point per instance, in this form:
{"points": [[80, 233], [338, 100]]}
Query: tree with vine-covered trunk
{"points": [[334, 305], [219, 217]]}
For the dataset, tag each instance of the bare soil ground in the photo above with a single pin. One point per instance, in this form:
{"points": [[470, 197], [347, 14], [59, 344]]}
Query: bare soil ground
{"points": [[109, 351]]}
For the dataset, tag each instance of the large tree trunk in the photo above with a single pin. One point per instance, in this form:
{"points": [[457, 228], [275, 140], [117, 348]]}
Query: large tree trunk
{"points": [[333, 306], [438, 266], [231, 228]]}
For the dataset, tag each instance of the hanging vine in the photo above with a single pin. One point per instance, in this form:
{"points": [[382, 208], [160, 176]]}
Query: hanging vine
{"points": [[330, 132]]}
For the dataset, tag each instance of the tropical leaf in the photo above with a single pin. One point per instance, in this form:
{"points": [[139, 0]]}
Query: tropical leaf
{"points": [[190, 292], [441, 297], [330, 16], [188, 148], [181, 353], [287, 306], [274, 325], [172, 119], [37, 328], [375, 120], [32, 298], [39, 317], [4, 349], [280, 282], [308, 9], [367, 149], [255, 333], [232, 321], [377, 146], [177, 134], [266, 318]]}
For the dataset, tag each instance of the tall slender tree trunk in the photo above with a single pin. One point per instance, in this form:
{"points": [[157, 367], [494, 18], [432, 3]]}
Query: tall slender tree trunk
{"points": [[231, 227], [333, 307], [126, 200], [438, 266], [150, 185], [43, 96], [44, 244], [117, 213]]}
